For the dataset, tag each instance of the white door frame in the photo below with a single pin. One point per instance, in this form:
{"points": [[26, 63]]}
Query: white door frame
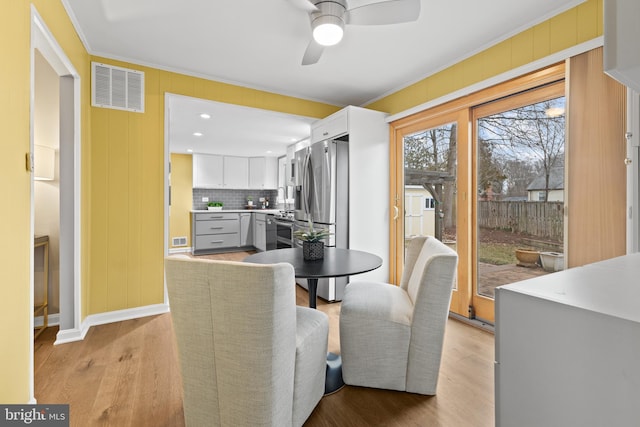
{"points": [[633, 174], [42, 39]]}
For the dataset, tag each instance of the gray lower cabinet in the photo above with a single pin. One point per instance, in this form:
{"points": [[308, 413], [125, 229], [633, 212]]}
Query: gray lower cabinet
{"points": [[259, 232], [215, 232], [246, 229]]}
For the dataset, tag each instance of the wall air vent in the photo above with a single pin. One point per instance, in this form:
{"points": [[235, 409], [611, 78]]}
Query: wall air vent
{"points": [[117, 88], [179, 241]]}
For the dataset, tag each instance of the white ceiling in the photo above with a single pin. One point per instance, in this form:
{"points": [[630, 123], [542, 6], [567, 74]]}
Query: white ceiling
{"points": [[260, 43], [232, 129]]}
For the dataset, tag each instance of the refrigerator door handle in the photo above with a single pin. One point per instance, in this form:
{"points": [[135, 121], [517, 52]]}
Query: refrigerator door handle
{"points": [[305, 184]]}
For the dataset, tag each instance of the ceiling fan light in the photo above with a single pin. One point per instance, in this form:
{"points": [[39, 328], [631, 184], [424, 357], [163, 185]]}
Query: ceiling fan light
{"points": [[328, 30]]}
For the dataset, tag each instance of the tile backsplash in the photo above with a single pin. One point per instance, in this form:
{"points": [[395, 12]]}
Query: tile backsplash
{"points": [[232, 199]]}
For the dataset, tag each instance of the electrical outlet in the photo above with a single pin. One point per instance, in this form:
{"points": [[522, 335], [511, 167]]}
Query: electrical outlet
{"points": [[205, 199]]}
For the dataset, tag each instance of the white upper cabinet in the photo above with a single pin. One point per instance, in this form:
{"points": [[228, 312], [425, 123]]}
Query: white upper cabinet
{"points": [[621, 35], [263, 173], [333, 126], [208, 171], [236, 172], [232, 172]]}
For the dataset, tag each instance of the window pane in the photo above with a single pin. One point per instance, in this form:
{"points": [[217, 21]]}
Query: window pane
{"points": [[520, 192], [430, 185]]}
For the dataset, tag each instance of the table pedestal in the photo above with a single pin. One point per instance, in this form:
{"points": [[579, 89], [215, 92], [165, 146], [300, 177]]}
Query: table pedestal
{"points": [[333, 381], [312, 285]]}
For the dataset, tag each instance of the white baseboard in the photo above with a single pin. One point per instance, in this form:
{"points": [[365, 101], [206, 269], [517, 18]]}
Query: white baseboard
{"points": [[53, 320], [71, 335], [179, 250]]}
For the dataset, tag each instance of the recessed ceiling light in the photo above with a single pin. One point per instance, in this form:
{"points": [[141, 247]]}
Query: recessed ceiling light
{"points": [[205, 116], [197, 134], [189, 150], [269, 151]]}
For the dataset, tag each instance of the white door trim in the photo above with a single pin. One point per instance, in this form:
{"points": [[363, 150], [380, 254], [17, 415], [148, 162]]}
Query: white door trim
{"points": [[633, 174], [43, 40]]}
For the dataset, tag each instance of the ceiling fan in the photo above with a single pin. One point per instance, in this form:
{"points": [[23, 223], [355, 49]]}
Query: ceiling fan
{"points": [[328, 18]]}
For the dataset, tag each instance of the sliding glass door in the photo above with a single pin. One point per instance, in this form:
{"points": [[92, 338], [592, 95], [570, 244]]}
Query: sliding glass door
{"points": [[519, 146], [426, 191]]}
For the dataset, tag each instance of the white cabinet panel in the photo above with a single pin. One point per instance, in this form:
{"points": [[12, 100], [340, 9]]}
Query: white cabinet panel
{"points": [[271, 173], [567, 347], [246, 229], [236, 172], [208, 171], [621, 35], [263, 173], [369, 186], [333, 126], [256, 172], [260, 233]]}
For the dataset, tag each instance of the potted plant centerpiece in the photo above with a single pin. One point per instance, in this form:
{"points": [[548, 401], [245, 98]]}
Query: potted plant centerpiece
{"points": [[312, 244], [214, 206]]}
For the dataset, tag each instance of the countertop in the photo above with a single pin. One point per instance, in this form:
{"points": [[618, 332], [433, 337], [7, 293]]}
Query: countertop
{"points": [[607, 287], [264, 211]]}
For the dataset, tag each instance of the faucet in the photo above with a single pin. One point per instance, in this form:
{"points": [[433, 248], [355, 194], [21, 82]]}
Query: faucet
{"points": [[284, 193]]}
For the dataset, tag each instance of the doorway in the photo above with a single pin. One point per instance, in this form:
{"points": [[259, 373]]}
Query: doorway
{"points": [[519, 171], [453, 156], [429, 192], [63, 188]]}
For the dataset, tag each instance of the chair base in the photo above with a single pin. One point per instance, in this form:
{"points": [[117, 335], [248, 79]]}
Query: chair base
{"points": [[333, 380]]}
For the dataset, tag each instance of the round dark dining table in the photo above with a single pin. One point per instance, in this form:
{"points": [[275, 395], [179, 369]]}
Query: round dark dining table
{"points": [[337, 262]]}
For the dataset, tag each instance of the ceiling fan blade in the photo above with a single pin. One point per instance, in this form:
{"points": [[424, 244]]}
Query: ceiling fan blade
{"points": [[306, 5], [313, 53], [385, 12]]}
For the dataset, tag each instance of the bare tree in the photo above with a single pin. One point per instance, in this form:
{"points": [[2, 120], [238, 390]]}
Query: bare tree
{"points": [[533, 133], [490, 172], [435, 150], [519, 175]]}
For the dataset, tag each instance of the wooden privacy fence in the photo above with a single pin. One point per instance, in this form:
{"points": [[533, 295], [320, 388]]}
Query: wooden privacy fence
{"points": [[540, 219]]}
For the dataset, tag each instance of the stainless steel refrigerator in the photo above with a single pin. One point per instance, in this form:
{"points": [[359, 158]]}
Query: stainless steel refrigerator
{"points": [[322, 196]]}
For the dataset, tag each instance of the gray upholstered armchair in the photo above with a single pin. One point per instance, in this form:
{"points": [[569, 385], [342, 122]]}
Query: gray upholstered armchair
{"points": [[248, 355], [391, 336]]}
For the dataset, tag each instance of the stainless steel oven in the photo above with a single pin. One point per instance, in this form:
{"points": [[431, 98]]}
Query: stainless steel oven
{"points": [[284, 233]]}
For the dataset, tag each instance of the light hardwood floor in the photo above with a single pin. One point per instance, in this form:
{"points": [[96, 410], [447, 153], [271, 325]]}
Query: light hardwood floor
{"points": [[126, 374]]}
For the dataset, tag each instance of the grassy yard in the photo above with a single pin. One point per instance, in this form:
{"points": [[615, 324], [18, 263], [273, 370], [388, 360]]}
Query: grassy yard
{"points": [[498, 247], [497, 253]]}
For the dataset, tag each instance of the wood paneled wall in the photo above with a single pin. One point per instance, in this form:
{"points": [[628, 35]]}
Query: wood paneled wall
{"points": [[596, 173]]}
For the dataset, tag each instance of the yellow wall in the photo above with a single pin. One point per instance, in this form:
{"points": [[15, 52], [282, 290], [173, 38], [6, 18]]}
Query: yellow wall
{"points": [[15, 309], [15, 189], [181, 197], [127, 225], [577, 25]]}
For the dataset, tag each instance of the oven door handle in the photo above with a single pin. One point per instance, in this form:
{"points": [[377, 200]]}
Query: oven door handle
{"points": [[284, 224]]}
